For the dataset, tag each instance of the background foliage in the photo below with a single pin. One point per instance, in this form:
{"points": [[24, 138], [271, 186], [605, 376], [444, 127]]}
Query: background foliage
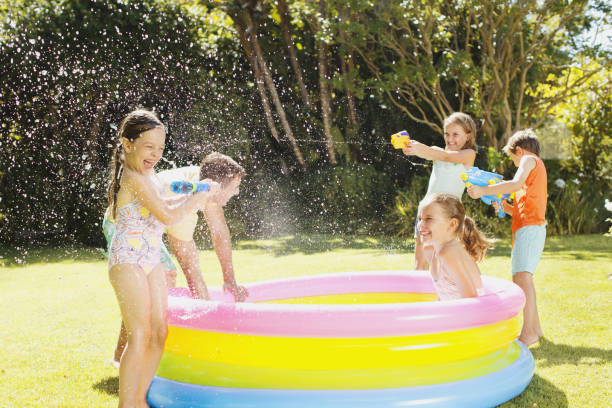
{"points": [[305, 94]]}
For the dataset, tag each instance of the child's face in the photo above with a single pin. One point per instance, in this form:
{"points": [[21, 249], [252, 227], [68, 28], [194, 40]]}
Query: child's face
{"points": [[455, 136], [228, 190], [143, 153], [434, 226]]}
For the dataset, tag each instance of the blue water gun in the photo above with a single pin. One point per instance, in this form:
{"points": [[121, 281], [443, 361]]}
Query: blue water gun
{"points": [[477, 177], [188, 187]]}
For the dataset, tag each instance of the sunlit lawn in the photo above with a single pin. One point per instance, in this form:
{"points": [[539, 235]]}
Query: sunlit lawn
{"points": [[59, 317]]}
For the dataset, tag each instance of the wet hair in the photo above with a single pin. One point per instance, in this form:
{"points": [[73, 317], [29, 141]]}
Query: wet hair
{"points": [[525, 139], [220, 168], [474, 241], [131, 127], [467, 124]]}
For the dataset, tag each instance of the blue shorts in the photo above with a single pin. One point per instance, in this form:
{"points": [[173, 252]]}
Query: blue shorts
{"points": [[527, 249]]}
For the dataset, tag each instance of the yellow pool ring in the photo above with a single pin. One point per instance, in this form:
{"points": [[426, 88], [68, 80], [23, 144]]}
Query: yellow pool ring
{"points": [[337, 353], [193, 371]]}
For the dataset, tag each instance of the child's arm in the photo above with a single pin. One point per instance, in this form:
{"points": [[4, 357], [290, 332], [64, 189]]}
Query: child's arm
{"points": [[465, 156], [527, 164], [186, 253], [222, 242], [143, 190], [459, 266]]}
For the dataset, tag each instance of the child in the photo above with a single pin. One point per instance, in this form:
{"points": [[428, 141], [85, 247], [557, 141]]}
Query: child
{"points": [[135, 270], [108, 227], [448, 164], [452, 245], [528, 221], [225, 171]]}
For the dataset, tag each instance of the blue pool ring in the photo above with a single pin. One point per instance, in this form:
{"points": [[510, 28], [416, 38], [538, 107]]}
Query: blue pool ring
{"points": [[486, 391]]}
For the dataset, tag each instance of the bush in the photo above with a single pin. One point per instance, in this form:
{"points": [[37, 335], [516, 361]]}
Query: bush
{"points": [[402, 217], [575, 208], [343, 199]]}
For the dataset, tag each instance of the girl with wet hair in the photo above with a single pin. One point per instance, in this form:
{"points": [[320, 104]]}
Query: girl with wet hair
{"points": [[452, 245], [135, 198]]}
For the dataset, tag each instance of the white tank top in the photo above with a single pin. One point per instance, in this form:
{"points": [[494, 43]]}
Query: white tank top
{"points": [[446, 178]]}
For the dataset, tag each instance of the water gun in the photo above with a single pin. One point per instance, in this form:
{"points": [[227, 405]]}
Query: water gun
{"points": [[477, 177], [188, 187], [400, 140]]}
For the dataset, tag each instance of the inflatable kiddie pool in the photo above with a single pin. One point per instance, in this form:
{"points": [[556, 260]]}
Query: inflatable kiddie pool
{"points": [[361, 339]]}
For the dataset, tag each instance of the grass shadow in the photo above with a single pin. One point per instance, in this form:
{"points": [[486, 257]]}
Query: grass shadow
{"points": [[576, 248], [539, 393], [550, 354], [312, 244], [24, 256], [108, 385]]}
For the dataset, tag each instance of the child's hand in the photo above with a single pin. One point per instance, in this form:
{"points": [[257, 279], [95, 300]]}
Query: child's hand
{"points": [[505, 206], [240, 292], [495, 205], [206, 196], [415, 149], [476, 191]]}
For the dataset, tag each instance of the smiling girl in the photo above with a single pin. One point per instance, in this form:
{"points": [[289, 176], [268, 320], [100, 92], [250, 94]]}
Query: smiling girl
{"points": [[452, 244], [448, 164], [135, 271]]}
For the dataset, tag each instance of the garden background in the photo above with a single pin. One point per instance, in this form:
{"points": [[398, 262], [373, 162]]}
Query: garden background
{"points": [[305, 94]]}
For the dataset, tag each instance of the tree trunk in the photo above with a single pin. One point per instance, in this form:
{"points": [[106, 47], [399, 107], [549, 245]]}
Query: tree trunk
{"points": [[347, 67], [259, 81], [326, 100], [324, 92], [260, 61], [284, 15]]}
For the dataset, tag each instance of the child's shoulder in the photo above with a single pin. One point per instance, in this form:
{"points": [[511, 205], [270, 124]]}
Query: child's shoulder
{"points": [[529, 162], [451, 253]]}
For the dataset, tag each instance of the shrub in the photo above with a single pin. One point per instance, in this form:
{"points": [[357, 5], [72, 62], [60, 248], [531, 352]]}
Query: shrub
{"points": [[404, 213], [342, 199], [575, 208]]}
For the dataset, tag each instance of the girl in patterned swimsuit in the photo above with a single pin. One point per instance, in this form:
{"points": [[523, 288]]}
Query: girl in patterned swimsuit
{"points": [[452, 245], [134, 264]]}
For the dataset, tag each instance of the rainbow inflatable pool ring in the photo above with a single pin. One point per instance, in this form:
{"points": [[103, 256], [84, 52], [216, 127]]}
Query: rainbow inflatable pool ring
{"points": [[362, 339]]}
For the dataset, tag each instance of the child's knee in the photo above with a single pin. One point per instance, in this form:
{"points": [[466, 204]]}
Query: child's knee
{"points": [[522, 277], [159, 335], [139, 337]]}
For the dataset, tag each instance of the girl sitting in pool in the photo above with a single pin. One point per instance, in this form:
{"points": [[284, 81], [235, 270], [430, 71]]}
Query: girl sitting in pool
{"points": [[452, 244]]}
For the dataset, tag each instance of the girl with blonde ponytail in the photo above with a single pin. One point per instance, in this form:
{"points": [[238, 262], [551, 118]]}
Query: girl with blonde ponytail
{"points": [[452, 245], [140, 213]]}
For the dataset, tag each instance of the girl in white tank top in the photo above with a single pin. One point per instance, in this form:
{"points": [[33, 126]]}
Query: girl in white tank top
{"points": [[448, 164]]}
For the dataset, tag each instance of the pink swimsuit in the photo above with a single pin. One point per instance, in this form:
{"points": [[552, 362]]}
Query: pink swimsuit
{"points": [[446, 287], [137, 239]]}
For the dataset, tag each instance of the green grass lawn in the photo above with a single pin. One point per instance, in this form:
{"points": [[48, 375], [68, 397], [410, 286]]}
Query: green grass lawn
{"points": [[60, 318]]}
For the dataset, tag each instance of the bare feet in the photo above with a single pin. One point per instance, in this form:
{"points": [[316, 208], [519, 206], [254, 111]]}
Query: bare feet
{"points": [[528, 340]]}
